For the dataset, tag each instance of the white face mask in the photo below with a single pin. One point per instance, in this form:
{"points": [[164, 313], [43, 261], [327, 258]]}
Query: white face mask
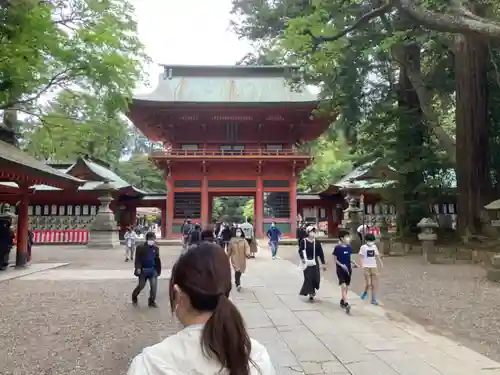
{"points": [[347, 240], [312, 234], [151, 242], [238, 234]]}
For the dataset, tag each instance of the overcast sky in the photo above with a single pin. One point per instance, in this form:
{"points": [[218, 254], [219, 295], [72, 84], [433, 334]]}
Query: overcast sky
{"points": [[192, 32]]}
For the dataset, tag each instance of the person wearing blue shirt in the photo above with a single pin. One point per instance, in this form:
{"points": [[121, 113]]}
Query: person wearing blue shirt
{"points": [[147, 268], [342, 255], [274, 236]]}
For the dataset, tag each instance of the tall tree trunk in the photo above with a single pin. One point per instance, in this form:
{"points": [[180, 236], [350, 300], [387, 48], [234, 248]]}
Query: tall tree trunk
{"points": [[411, 137], [473, 178]]}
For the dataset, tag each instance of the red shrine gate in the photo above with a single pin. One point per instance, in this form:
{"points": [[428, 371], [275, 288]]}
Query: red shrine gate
{"points": [[229, 131]]}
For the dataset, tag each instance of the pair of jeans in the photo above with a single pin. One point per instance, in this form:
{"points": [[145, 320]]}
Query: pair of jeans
{"points": [[129, 251], [237, 278], [153, 285], [274, 247]]}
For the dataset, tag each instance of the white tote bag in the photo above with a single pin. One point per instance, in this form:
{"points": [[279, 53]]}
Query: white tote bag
{"points": [[304, 263]]}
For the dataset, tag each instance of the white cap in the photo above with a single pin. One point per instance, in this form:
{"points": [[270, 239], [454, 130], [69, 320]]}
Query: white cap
{"points": [[311, 228]]}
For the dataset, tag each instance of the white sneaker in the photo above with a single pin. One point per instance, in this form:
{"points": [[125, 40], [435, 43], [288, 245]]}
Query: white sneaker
{"points": [[274, 258], [238, 288]]}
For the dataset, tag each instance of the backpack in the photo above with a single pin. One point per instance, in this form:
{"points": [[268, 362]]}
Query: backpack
{"points": [[195, 236], [187, 229]]}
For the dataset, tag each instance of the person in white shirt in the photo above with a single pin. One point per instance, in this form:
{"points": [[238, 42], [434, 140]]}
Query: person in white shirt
{"points": [[362, 231], [130, 240], [369, 256], [214, 339], [247, 229]]}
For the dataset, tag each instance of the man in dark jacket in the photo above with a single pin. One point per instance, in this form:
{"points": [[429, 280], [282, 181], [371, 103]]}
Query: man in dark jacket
{"points": [[6, 241], [186, 229], [195, 235], [147, 268]]}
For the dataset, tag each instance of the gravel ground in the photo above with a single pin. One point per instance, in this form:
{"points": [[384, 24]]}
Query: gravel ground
{"points": [[78, 327], [90, 327], [454, 300], [81, 257]]}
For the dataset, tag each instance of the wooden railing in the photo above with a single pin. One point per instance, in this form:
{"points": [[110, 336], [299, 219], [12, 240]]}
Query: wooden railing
{"points": [[229, 153]]}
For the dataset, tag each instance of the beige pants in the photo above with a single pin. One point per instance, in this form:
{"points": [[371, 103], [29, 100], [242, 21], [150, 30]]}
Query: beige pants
{"points": [[370, 271]]}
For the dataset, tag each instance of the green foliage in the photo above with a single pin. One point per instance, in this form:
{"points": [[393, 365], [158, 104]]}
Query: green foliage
{"points": [[249, 210], [358, 74], [140, 172], [78, 125], [331, 162], [230, 209], [85, 45]]}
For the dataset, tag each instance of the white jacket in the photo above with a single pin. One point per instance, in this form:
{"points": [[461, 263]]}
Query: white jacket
{"points": [[181, 354]]}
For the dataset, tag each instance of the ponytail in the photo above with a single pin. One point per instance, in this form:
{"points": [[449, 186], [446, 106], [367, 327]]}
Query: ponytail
{"points": [[225, 338]]}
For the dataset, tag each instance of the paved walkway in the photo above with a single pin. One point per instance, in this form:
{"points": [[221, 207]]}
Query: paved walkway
{"points": [[319, 338], [312, 337]]}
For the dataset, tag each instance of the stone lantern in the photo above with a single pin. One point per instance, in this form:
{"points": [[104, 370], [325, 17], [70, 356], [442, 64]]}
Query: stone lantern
{"points": [[103, 232], [428, 238], [351, 221], [493, 209]]}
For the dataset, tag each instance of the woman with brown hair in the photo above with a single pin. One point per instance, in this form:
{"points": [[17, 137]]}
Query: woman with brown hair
{"points": [[238, 251], [214, 339]]}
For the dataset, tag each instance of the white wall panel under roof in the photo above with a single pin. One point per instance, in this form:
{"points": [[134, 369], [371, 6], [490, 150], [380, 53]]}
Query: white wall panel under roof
{"points": [[224, 84]]}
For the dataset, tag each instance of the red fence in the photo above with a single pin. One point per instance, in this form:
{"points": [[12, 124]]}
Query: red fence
{"points": [[61, 236]]}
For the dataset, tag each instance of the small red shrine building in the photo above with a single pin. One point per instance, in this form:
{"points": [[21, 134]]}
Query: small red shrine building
{"points": [[371, 181], [18, 173], [229, 130], [57, 216]]}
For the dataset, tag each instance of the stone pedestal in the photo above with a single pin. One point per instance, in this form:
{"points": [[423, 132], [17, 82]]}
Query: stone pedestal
{"points": [[428, 238], [493, 274], [103, 232], [352, 222]]}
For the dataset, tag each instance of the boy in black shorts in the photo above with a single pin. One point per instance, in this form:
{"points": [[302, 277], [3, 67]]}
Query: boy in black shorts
{"points": [[342, 257]]}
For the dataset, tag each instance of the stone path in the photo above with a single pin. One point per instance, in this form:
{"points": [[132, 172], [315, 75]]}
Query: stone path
{"points": [[301, 337], [319, 338]]}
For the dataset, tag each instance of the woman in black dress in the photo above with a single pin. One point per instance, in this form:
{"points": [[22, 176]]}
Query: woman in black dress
{"points": [[310, 250]]}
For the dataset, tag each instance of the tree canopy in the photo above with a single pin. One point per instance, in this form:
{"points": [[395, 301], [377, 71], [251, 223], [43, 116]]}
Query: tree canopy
{"points": [[67, 73], [413, 83], [81, 45]]}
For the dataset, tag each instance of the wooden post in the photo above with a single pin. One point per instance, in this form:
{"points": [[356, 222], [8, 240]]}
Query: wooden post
{"points": [[259, 210], [170, 208], [205, 214], [164, 221], [293, 206], [133, 214], [329, 213], [22, 231]]}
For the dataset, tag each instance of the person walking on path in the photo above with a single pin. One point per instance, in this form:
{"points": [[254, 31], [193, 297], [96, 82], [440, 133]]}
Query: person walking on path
{"points": [[7, 237], [274, 235], [301, 233], [248, 231], [147, 268], [225, 236], [309, 252], [238, 251], [186, 228], [214, 339], [208, 235], [342, 255], [195, 235], [369, 256], [130, 241]]}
